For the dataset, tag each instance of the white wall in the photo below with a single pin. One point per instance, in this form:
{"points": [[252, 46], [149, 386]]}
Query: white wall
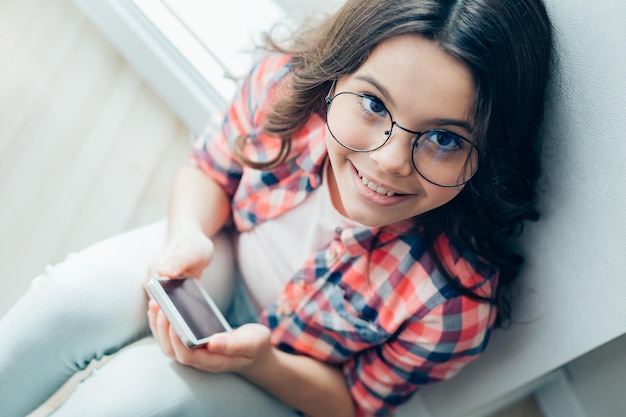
{"points": [[302, 9], [589, 193], [574, 288]]}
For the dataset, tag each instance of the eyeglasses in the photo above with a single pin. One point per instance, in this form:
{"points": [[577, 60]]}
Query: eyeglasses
{"points": [[362, 123]]}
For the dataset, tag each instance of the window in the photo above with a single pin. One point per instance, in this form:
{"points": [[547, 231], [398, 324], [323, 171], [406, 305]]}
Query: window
{"points": [[190, 52]]}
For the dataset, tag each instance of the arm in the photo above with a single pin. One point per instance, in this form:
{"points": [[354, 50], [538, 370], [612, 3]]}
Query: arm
{"points": [[199, 208], [197, 203], [200, 201], [302, 382], [203, 190]]}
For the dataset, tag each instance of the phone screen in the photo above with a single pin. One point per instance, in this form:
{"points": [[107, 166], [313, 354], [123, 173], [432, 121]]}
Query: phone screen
{"points": [[194, 308]]}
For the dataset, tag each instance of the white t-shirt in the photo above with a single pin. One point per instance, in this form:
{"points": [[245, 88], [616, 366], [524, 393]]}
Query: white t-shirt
{"points": [[272, 252]]}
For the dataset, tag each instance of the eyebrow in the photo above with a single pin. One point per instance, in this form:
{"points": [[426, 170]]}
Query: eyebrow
{"points": [[452, 122], [377, 86], [462, 124]]}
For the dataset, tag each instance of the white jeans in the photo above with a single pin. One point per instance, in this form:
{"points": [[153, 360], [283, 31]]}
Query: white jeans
{"points": [[93, 304]]}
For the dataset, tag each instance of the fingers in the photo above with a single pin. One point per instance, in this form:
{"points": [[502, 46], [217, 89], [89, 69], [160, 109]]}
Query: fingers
{"points": [[160, 328], [249, 340], [152, 312], [225, 352], [170, 265], [163, 329], [205, 360], [183, 354], [174, 264], [186, 255]]}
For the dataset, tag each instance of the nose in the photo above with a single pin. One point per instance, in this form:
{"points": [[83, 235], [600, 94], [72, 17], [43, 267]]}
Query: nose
{"points": [[395, 157]]}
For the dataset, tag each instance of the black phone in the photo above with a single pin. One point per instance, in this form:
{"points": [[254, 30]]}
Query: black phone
{"points": [[189, 309]]}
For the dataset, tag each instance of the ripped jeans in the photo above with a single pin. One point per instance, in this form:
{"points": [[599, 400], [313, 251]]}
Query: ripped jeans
{"points": [[94, 304]]}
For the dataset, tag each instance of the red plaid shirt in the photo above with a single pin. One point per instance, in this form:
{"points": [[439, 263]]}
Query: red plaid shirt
{"points": [[371, 300]]}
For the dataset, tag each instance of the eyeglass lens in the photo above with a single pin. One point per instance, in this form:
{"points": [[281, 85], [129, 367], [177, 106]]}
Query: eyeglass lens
{"points": [[361, 123]]}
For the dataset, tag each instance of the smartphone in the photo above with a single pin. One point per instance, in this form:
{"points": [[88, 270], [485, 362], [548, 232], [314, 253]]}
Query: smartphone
{"points": [[189, 309]]}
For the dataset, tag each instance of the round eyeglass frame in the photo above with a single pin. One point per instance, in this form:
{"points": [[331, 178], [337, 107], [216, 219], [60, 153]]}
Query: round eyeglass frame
{"points": [[418, 134]]}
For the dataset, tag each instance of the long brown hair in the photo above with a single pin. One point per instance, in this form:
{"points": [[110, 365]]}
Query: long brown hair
{"points": [[507, 45]]}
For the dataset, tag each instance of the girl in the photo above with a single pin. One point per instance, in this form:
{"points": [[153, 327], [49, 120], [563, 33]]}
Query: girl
{"points": [[375, 171]]}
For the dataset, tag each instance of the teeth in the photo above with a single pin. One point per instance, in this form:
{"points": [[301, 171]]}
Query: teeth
{"points": [[374, 187]]}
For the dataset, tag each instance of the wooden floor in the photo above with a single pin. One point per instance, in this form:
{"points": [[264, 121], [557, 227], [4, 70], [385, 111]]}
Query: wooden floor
{"points": [[87, 149]]}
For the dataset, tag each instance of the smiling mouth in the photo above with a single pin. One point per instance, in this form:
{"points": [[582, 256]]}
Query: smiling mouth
{"points": [[375, 187]]}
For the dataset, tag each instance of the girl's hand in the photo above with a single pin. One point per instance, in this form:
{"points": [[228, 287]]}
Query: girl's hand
{"points": [[186, 254], [225, 352]]}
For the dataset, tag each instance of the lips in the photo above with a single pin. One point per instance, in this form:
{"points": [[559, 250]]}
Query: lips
{"points": [[375, 187]]}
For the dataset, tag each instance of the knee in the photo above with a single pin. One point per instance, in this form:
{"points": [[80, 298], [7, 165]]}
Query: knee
{"points": [[85, 296]]}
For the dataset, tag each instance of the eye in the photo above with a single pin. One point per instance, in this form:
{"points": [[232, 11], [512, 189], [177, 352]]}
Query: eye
{"points": [[445, 140], [373, 105]]}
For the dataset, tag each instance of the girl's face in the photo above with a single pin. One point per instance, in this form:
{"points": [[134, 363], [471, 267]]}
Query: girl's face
{"points": [[423, 88]]}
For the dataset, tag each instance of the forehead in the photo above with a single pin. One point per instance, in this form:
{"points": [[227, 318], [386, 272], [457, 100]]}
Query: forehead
{"points": [[418, 80]]}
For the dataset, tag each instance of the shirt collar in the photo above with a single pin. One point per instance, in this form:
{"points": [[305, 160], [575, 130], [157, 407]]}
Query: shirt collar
{"points": [[359, 240], [311, 145]]}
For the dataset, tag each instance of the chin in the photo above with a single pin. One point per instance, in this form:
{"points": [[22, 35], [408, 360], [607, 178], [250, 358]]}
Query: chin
{"points": [[368, 219]]}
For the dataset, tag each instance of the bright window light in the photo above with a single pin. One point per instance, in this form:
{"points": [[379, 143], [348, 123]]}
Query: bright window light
{"points": [[217, 40]]}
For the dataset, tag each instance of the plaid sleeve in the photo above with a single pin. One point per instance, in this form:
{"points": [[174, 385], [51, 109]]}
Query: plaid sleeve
{"points": [[212, 150], [427, 349]]}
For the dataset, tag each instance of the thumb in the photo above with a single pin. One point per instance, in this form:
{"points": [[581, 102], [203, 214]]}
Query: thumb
{"points": [[168, 268], [248, 340]]}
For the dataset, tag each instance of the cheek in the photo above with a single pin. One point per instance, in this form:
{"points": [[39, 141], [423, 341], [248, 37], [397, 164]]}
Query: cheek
{"points": [[441, 195], [331, 144], [336, 152]]}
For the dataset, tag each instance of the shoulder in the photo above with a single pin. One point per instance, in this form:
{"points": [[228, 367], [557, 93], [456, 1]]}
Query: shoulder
{"points": [[465, 266], [423, 282], [273, 63], [267, 73], [441, 307], [460, 261]]}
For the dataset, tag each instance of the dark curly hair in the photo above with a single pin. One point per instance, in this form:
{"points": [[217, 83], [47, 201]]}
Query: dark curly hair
{"points": [[508, 47]]}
